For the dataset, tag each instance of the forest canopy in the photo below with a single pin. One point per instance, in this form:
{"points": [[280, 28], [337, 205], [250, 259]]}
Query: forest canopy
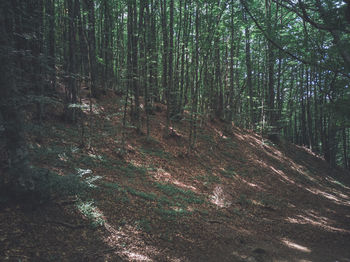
{"points": [[279, 67]]}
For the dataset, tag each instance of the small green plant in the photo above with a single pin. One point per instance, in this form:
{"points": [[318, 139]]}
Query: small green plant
{"points": [[228, 172], [56, 155], [144, 224], [237, 212], [171, 190], [336, 182], [144, 195], [155, 152], [227, 154], [171, 214], [132, 171], [110, 185], [179, 194], [165, 201], [208, 179], [270, 201], [166, 236], [86, 160], [49, 184], [243, 200], [230, 143], [207, 138], [91, 212], [192, 199], [149, 141], [123, 198], [203, 212]]}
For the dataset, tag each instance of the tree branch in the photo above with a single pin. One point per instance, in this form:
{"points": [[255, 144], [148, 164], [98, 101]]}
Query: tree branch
{"points": [[273, 42]]}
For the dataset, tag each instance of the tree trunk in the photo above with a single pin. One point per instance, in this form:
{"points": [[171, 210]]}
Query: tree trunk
{"points": [[20, 179], [249, 77], [95, 90]]}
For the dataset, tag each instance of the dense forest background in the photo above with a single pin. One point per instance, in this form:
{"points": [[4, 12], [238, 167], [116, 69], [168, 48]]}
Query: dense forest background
{"points": [[279, 67]]}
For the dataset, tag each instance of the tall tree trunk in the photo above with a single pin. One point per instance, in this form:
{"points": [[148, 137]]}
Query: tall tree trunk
{"points": [[271, 64], [71, 59], [135, 75], [20, 177], [249, 76], [171, 93], [95, 90], [50, 12], [308, 110], [165, 61], [345, 148], [232, 57]]}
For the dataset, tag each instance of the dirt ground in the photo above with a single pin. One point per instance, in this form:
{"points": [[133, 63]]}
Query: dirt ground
{"points": [[234, 197]]}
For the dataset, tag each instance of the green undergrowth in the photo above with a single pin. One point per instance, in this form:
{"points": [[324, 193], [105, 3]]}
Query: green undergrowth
{"points": [[49, 185], [208, 179], [144, 224], [155, 152], [206, 138], [179, 194], [144, 195], [230, 143], [228, 154], [172, 195], [171, 202], [170, 214], [271, 201], [228, 172], [132, 171], [244, 200], [91, 212]]}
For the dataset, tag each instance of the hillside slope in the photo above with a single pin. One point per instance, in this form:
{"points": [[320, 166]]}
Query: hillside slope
{"points": [[235, 197]]}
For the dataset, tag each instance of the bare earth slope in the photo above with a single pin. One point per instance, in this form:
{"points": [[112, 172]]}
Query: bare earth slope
{"points": [[233, 198]]}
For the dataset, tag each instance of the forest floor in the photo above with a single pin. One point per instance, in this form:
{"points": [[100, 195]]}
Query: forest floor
{"points": [[235, 197]]}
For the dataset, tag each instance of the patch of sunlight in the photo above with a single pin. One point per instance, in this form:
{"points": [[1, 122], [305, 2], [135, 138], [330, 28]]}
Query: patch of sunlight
{"points": [[82, 172], [336, 182], [182, 185], [240, 137], [128, 243], [276, 171], [63, 157], [329, 196], [136, 256], [251, 184], [90, 211], [290, 205], [257, 203], [97, 157], [219, 198], [74, 149], [136, 163], [161, 175], [296, 246], [174, 131], [282, 174], [88, 180], [85, 106], [219, 132], [314, 219]]}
